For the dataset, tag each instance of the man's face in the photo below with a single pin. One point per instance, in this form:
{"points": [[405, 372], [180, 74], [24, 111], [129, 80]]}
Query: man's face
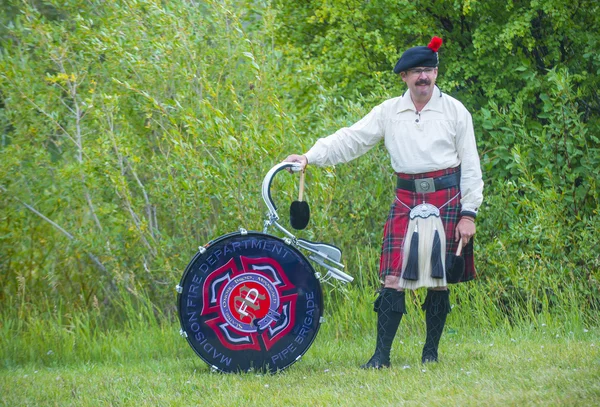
{"points": [[420, 81]]}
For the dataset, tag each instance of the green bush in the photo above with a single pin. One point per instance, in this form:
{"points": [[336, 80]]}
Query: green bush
{"points": [[134, 131]]}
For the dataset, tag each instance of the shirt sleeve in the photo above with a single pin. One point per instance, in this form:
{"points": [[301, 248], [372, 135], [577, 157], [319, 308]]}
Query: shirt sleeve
{"points": [[471, 182], [348, 143]]}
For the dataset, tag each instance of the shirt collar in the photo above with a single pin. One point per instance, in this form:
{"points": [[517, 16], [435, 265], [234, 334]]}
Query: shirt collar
{"points": [[435, 103]]}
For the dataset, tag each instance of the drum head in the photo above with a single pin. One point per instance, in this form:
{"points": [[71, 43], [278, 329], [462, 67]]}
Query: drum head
{"points": [[250, 302]]}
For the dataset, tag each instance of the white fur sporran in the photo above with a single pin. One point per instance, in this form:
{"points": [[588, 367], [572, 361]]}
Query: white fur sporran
{"points": [[419, 264]]}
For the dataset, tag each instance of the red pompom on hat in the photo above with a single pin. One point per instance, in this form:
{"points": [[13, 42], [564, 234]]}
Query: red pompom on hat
{"points": [[420, 56], [435, 44]]}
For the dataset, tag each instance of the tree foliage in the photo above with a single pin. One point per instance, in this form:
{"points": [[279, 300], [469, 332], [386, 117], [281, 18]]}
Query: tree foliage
{"points": [[126, 127], [134, 131], [492, 50]]}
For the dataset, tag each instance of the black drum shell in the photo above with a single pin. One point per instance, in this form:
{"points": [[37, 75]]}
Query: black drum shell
{"points": [[213, 311]]}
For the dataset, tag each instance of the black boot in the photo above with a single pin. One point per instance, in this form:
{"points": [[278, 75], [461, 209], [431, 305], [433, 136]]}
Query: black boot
{"points": [[389, 307], [437, 307]]}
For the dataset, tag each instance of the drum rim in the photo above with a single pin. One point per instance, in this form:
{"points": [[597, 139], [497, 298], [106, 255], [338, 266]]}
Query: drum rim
{"points": [[212, 242]]}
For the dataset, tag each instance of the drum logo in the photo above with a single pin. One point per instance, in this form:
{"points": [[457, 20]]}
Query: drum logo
{"points": [[249, 307]]}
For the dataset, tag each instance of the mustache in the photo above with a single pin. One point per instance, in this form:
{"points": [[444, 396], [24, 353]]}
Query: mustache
{"points": [[423, 82]]}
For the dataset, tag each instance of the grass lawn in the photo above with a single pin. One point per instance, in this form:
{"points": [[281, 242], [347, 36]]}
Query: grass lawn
{"points": [[502, 367]]}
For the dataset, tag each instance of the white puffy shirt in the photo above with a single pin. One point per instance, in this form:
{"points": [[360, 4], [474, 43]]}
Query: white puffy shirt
{"points": [[441, 136]]}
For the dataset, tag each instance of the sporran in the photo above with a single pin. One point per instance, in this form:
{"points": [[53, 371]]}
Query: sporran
{"points": [[424, 250]]}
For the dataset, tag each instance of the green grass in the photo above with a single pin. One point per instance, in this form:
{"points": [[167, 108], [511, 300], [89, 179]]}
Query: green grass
{"points": [[148, 363]]}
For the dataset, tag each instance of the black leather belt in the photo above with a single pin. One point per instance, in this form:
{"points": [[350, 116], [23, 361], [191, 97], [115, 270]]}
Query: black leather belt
{"points": [[427, 185]]}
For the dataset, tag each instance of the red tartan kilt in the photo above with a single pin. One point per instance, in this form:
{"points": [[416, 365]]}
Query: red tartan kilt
{"points": [[396, 225]]}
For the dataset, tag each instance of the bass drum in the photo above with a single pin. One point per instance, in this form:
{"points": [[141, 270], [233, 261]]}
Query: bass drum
{"points": [[249, 301]]}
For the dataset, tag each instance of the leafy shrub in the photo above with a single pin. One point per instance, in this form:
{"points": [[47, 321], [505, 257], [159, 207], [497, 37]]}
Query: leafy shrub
{"points": [[132, 132]]}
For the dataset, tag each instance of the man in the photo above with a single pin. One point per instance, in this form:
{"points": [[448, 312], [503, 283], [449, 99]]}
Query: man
{"points": [[429, 136]]}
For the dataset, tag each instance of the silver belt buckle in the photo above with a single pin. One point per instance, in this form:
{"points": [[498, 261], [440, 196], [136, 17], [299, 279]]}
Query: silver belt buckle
{"points": [[424, 185]]}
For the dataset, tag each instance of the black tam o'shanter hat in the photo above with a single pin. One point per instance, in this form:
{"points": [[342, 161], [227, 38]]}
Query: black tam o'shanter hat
{"points": [[420, 56]]}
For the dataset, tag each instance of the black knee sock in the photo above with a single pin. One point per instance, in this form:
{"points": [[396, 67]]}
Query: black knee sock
{"points": [[437, 307], [390, 307]]}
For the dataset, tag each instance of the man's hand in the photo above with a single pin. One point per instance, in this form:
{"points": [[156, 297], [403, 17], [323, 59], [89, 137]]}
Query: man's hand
{"points": [[465, 229], [295, 158]]}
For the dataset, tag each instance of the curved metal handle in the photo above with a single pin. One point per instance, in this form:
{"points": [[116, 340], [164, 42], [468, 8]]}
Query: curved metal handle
{"points": [[266, 186], [323, 254]]}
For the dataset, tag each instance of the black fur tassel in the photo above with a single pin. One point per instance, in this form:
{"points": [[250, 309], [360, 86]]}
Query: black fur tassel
{"points": [[411, 272], [437, 269]]}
